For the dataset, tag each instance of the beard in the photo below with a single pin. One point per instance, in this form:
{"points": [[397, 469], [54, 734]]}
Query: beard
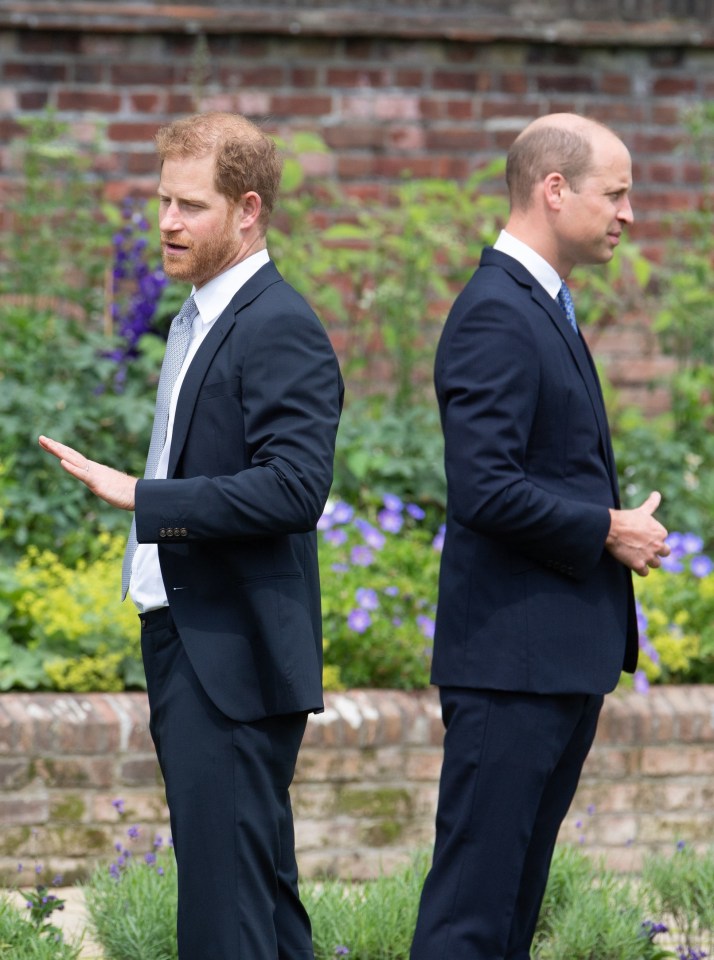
{"points": [[201, 260]]}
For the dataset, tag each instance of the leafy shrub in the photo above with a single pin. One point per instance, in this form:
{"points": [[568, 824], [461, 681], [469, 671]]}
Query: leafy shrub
{"points": [[380, 570], [65, 627], [21, 939], [681, 886], [588, 913], [132, 904]]}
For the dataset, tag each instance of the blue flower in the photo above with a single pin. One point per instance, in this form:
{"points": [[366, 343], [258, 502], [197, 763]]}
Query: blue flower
{"points": [[415, 511], [673, 563], [118, 804], [337, 536], [361, 556], [342, 512], [367, 598], [391, 591], [359, 620], [392, 503], [701, 565], [373, 538], [390, 521], [641, 682], [426, 625], [691, 543], [438, 541]]}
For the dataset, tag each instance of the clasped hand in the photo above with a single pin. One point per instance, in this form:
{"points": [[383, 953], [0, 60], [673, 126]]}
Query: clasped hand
{"points": [[116, 488], [636, 538]]}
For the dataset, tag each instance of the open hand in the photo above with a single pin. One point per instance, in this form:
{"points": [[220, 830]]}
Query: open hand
{"points": [[111, 485]]}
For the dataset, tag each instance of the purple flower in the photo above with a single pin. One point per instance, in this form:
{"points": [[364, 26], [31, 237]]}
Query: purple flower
{"points": [[133, 832], [339, 568], [691, 543], [392, 503], [118, 804], [342, 512], [701, 565], [373, 538], [641, 682], [672, 563], [367, 598], [359, 620], [361, 556], [415, 511], [426, 625], [438, 541], [391, 591], [390, 521], [337, 536], [675, 543], [150, 859], [641, 619]]}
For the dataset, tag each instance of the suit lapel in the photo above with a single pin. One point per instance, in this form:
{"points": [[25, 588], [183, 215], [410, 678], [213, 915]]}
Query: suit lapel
{"points": [[196, 373], [576, 345]]}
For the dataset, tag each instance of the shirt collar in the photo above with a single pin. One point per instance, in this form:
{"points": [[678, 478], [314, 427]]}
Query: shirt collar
{"points": [[539, 268], [213, 298]]}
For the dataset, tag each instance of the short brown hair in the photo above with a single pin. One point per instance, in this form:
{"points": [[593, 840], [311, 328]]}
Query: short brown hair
{"points": [[546, 149], [246, 158]]}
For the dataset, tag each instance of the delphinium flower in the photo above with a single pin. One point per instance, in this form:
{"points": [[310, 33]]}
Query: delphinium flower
{"points": [[137, 286]]}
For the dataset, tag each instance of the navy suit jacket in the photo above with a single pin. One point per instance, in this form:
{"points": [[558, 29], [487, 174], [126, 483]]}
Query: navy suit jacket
{"points": [[529, 599], [249, 472]]}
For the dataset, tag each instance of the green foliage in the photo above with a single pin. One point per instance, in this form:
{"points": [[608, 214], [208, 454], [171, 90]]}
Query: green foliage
{"points": [[383, 276], [56, 244], [681, 887], [685, 318], [65, 627], [371, 921], [380, 572], [56, 378], [22, 938], [588, 912], [132, 907], [380, 450]]}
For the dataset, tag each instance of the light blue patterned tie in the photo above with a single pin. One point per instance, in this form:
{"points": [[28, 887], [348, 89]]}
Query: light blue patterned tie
{"points": [[566, 302], [176, 347]]}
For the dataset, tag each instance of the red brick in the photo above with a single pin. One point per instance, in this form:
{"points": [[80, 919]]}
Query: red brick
{"points": [[88, 100], [300, 106]]}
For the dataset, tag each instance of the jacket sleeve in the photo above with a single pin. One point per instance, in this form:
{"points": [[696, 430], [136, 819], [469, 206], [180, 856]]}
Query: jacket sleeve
{"points": [[291, 396], [489, 378]]}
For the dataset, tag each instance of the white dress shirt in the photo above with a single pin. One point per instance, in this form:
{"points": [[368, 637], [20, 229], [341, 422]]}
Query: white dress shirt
{"points": [[539, 268], [147, 586]]}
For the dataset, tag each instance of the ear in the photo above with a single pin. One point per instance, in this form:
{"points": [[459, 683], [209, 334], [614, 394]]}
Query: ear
{"points": [[250, 206], [555, 187]]}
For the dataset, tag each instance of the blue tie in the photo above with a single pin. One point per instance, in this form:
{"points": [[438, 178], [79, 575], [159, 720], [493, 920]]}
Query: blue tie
{"points": [[566, 302], [176, 347]]}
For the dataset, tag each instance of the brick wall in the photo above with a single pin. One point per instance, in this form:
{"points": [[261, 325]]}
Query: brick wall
{"points": [[366, 786], [435, 88]]}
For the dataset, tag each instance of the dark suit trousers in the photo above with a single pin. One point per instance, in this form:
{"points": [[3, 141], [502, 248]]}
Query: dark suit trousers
{"points": [[227, 791], [511, 766]]}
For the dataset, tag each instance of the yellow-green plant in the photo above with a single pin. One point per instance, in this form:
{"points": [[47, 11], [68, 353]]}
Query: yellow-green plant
{"points": [[90, 640], [676, 616]]}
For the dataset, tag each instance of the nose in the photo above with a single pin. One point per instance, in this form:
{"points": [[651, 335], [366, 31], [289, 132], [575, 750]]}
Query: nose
{"points": [[625, 213], [169, 219]]}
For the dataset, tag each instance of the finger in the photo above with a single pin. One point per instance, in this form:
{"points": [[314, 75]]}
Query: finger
{"points": [[652, 502]]}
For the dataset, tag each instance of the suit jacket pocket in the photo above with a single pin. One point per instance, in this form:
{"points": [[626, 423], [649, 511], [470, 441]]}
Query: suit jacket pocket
{"points": [[220, 388]]}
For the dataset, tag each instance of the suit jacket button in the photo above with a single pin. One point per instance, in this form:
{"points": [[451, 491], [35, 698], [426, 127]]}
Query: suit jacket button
{"points": [[170, 532], [184, 532]]}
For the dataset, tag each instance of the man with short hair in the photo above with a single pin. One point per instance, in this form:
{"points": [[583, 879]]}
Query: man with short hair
{"points": [[536, 613], [222, 559]]}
